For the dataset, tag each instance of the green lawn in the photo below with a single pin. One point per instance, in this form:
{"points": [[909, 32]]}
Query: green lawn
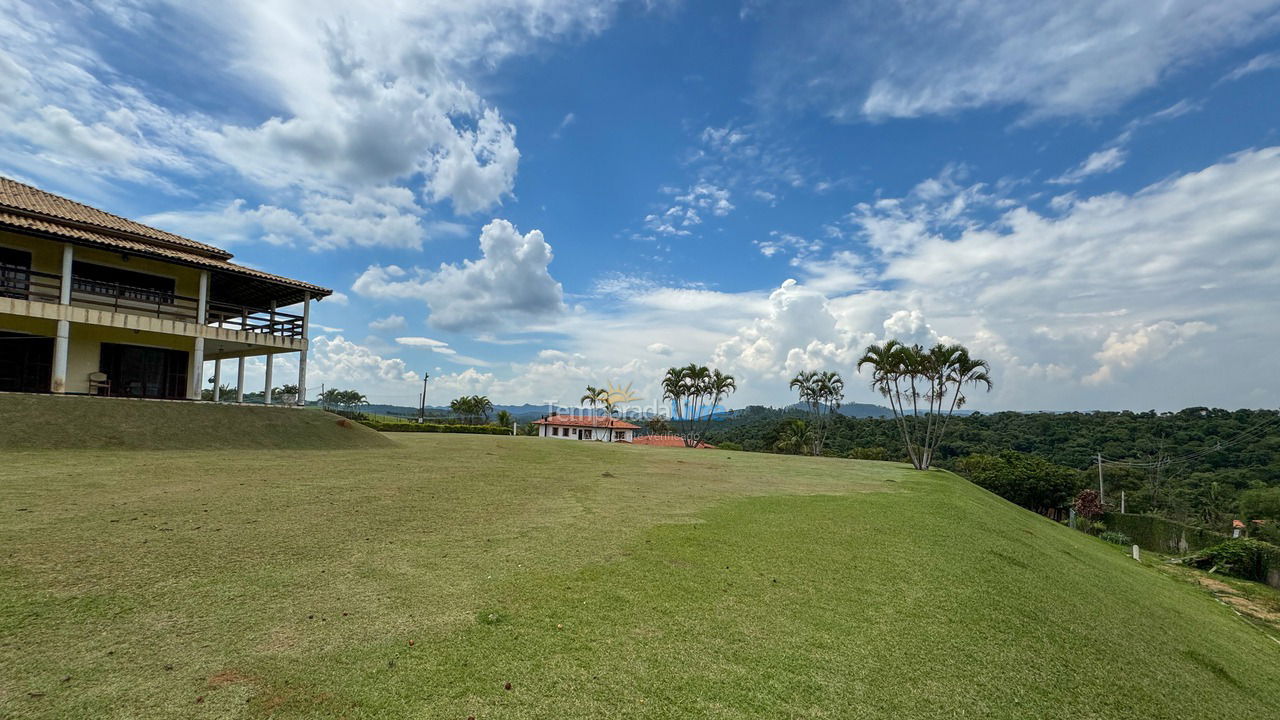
{"points": [[419, 579]]}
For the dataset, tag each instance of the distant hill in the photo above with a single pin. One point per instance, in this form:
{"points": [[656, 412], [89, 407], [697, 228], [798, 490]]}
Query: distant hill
{"points": [[853, 410]]}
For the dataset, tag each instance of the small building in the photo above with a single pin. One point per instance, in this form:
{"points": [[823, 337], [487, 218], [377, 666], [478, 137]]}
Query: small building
{"points": [[668, 441], [95, 304], [586, 427]]}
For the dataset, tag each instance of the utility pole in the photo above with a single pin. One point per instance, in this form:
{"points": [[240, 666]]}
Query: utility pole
{"points": [[1100, 500], [422, 408]]}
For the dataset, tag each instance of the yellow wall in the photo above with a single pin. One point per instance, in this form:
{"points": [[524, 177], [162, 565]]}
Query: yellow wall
{"points": [[84, 351], [46, 256]]}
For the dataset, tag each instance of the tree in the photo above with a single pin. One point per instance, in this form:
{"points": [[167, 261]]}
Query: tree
{"points": [[1087, 504], [795, 437], [909, 374], [482, 406], [657, 425], [822, 393], [695, 391], [1261, 504], [1027, 480], [504, 418], [593, 397]]}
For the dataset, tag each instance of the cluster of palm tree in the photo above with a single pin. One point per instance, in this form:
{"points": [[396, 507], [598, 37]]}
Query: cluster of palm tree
{"points": [[910, 376], [795, 437], [822, 392], [345, 399], [472, 408], [695, 393]]}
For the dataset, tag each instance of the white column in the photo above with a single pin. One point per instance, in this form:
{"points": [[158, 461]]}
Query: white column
{"points": [[62, 340], [306, 345], [240, 379], [270, 361], [197, 352], [217, 380]]}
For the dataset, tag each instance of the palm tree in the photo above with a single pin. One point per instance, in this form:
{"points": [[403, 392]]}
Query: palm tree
{"points": [[899, 372], [482, 406], [504, 418], [795, 437], [829, 388]]}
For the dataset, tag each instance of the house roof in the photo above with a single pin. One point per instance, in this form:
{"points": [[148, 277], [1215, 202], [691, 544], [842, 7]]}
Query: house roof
{"points": [[30, 210], [667, 441], [593, 421]]}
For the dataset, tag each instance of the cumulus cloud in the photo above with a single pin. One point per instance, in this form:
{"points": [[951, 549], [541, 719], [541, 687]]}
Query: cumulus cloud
{"points": [[510, 282], [388, 323], [328, 103], [1124, 350], [858, 60]]}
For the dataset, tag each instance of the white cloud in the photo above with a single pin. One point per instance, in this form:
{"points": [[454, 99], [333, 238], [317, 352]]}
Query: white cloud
{"points": [[907, 60], [1124, 350], [327, 102], [568, 120], [659, 349], [687, 208], [510, 282], [388, 323], [1103, 161], [1259, 63], [780, 242], [425, 342]]}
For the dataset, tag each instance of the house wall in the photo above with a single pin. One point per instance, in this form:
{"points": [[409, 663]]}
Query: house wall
{"points": [[46, 256], [605, 435]]}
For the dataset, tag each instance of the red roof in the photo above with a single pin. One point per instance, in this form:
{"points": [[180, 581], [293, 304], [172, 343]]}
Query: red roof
{"points": [[593, 421], [666, 441]]}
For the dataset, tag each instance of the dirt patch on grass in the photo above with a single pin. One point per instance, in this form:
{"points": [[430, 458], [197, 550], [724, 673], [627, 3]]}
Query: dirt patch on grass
{"points": [[229, 677], [1242, 604]]}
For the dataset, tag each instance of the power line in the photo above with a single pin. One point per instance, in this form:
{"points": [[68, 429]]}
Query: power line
{"points": [[1250, 434]]}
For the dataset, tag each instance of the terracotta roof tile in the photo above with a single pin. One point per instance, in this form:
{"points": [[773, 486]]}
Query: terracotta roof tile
{"points": [[19, 196], [23, 207], [586, 421]]}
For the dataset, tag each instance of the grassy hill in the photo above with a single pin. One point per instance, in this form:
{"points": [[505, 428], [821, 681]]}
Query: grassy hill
{"points": [[452, 576], [51, 422]]}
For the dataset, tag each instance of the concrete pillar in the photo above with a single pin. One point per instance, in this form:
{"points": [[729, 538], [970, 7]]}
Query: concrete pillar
{"points": [[197, 352], [240, 379], [270, 361], [62, 340], [195, 379], [217, 380], [306, 345]]}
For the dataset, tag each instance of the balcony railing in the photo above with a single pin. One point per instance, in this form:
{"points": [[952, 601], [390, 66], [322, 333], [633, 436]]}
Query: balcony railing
{"points": [[24, 284]]}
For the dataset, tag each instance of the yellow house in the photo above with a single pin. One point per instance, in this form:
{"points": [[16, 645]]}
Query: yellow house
{"points": [[95, 304]]}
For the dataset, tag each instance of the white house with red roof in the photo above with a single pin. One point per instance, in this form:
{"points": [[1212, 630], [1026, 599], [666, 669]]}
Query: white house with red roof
{"points": [[586, 427]]}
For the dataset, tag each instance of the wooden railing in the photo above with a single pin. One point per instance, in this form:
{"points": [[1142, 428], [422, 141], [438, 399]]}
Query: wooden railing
{"points": [[25, 284]]}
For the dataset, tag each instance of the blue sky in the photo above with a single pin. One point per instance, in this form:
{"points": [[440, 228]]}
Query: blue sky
{"points": [[523, 197]]}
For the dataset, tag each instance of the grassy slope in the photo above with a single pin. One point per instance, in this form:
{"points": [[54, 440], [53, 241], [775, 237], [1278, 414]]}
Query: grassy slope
{"points": [[49, 421], [683, 584]]}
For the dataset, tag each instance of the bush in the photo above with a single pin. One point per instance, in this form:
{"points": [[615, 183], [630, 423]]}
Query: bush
{"points": [[868, 453], [1088, 504], [437, 427], [1241, 557], [1116, 538], [729, 446]]}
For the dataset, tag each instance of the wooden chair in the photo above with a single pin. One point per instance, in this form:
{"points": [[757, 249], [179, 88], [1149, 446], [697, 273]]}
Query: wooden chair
{"points": [[98, 382]]}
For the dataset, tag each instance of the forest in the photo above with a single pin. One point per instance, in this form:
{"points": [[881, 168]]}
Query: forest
{"points": [[1194, 465]]}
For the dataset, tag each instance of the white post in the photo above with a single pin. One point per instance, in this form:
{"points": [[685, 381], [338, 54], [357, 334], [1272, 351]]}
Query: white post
{"points": [[302, 354], [1100, 497], [1121, 502], [1136, 555], [62, 341], [270, 361], [240, 380], [217, 380], [197, 353]]}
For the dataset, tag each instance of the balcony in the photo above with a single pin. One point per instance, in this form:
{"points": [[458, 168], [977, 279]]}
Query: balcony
{"points": [[24, 284]]}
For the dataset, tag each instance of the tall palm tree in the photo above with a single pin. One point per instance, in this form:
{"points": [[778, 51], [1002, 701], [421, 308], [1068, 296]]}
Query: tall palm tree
{"points": [[717, 386], [482, 406], [829, 392]]}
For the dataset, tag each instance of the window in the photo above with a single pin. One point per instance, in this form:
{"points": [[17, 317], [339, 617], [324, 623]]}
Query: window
{"points": [[619, 434], [125, 284], [15, 273], [137, 371], [585, 435]]}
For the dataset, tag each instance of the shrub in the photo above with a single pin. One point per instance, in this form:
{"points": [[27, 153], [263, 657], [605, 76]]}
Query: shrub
{"points": [[868, 453], [1116, 538], [1088, 504], [1084, 525], [437, 427], [1240, 557], [1157, 534], [729, 446]]}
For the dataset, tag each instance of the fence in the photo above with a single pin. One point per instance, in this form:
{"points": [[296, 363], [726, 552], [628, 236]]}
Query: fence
{"points": [[1157, 534]]}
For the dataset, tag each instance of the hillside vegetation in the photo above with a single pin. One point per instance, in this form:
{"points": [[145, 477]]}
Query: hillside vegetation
{"points": [[452, 576], [71, 422]]}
